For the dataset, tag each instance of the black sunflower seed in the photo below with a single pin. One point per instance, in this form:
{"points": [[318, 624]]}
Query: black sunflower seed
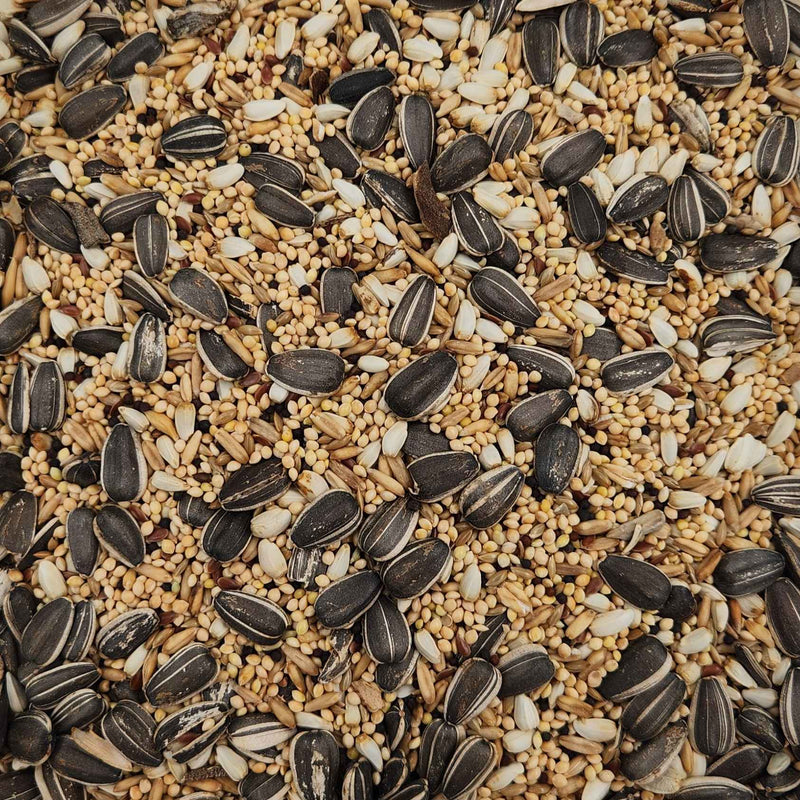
{"points": [[35, 77], [525, 669], [195, 291], [422, 387], [716, 201], [501, 295], [436, 749], [336, 291], [717, 70], [685, 210], [311, 372], [283, 208], [47, 221], [258, 619], [19, 606], [379, 21], [98, 340], [350, 87], [782, 601], [314, 762], [179, 723], [120, 637], [627, 49], [572, 157], [338, 660], [27, 44], [305, 566], [581, 26], [371, 118], [411, 573], [438, 475], [508, 256], [18, 522], [146, 48], [120, 534], [766, 26], [81, 633], [261, 168], [417, 125], [541, 48], [254, 485], [644, 664], [151, 243], [11, 472], [586, 214], [226, 534], [357, 781], [732, 252], [48, 397], [346, 600], [18, 785], [489, 497], [46, 634], [780, 495], [123, 469], [530, 416], [556, 457], [472, 762], [130, 729], [386, 532], [734, 333], [73, 762], [711, 728], [48, 17], [338, 153], [390, 677], [17, 322], [411, 317], [219, 358], [187, 672], [29, 736], [750, 571], [475, 684], [499, 12], [461, 164], [637, 371], [327, 519], [637, 582], [652, 757], [790, 706], [83, 470], [477, 230], [83, 60], [262, 786], [199, 742], [258, 735], [382, 189], [120, 215], [777, 151], [637, 198], [53, 786], [48, 687], [86, 113], [757, 725], [740, 764], [557, 371], [147, 358], [387, 637], [200, 136], [650, 711]]}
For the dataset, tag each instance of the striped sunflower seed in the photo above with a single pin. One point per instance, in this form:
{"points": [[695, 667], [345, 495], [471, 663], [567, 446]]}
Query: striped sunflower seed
{"points": [[357, 781], [649, 712], [392, 777], [123, 469], [437, 747], [131, 729], [557, 371], [422, 387], [120, 534], [411, 317], [573, 157], [200, 136], [711, 728], [780, 495], [17, 322], [269, 168], [766, 26], [327, 519], [50, 686], [638, 197], [473, 687], [283, 208], [254, 485], [258, 735], [790, 706], [627, 49], [19, 401], [644, 664], [530, 416], [29, 737], [742, 572], [47, 222], [685, 210], [226, 534], [305, 566], [715, 70], [461, 164], [525, 669], [756, 725], [476, 229], [314, 762], [75, 763], [386, 532], [19, 606], [345, 601], [81, 633], [500, 295], [18, 522], [729, 334], [53, 786], [648, 764], [439, 475], [637, 371], [777, 151], [581, 27], [386, 634], [351, 86], [338, 153], [86, 113], [147, 356], [46, 634], [98, 340], [179, 723], [508, 256], [541, 48], [713, 788], [151, 243], [371, 118], [511, 133], [137, 288], [219, 358], [120, 637], [489, 497], [195, 291], [120, 215], [782, 601], [716, 201], [556, 457], [411, 573], [471, 764], [186, 673], [262, 786], [635, 581], [19, 785], [417, 125], [336, 291], [83, 60], [382, 189], [735, 252], [48, 397], [586, 214], [390, 677], [258, 619], [146, 48], [48, 17], [740, 764]]}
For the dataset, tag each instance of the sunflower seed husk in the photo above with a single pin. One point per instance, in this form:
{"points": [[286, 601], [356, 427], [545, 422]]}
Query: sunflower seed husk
{"points": [[638, 197], [393, 776], [123, 469], [29, 737], [581, 26], [262, 786], [120, 637], [525, 669], [782, 601], [305, 566], [439, 742], [130, 729], [469, 767], [777, 151], [258, 735], [220, 359], [411, 317], [83, 470], [385, 631], [357, 781], [226, 534], [147, 358], [329, 518], [390, 677], [627, 49], [336, 291], [350, 87], [556, 457], [713, 788], [386, 532], [179, 723], [411, 573], [489, 497], [194, 511], [541, 48], [53, 786], [48, 397], [314, 762], [573, 157], [195, 291], [120, 534], [81, 633], [711, 727], [422, 387], [475, 684], [283, 208], [500, 295], [780, 495], [85, 58], [258, 619], [182, 753], [18, 522], [417, 125], [743, 572], [586, 214], [438, 475], [790, 706], [86, 113], [729, 334], [48, 687], [254, 485], [266, 168], [461, 164], [187, 672], [151, 243], [98, 340], [26, 43], [766, 26], [476, 229], [637, 582], [716, 201], [17, 322], [371, 118], [120, 215], [721, 253], [19, 785], [644, 664], [382, 189], [531, 415], [637, 371], [200, 136], [338, 153], [650, 711], [47, 221], [741, 764], [508, 255], [343, 602]]}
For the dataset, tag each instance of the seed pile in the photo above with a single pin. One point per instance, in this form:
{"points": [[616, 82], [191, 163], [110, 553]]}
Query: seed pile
{"points": [[399, 400]]}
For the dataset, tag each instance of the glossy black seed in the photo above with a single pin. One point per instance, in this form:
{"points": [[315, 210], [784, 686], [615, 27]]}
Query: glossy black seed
{"points": [[782, 600], [541, 47], [350, 87], [187, 672], [644, 663], [438, 475], [18, 522], [311, 372], [120, 534], [639, 583], [411, 573], [48, 687], [757, 725], [581, 27], [711, 728], [472, 762], [73, 762], [586, 214], [48, 397], [637, 198], [386, 634], [749, 571], [422, 387], [327, 519], [226, 534], [336, 291], [716, 69], [636, 371], [411, 317], [346, 600], [29, 736], [417, 125], [370, 120], [530, 416], [86, 113], [685, 210], [649, 712], [338, 153], [742, 763], [477, 230], [254, 485], [47, 221], [123, 634], [131, 729], [572, 157], [732, 252], [439, 742], [382, 189], [489, 497], [379, 21], [654, 755], [98, 340], [766, 26], [145, 48], [627, 49], [501, 295], [461, 164], [386, 532], [220, 359], [556, 457], [147, 356], [151, 243], [474, 685], [777, 151]]}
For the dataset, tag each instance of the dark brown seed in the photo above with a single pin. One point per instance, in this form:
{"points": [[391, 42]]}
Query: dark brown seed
{"points": [[48, 687], [18, 522], [530, 416], [195, 291], [541, 47], [716, 201], [379, 21], [86, 113], [627, 49], [187, 672], [411, 573], [370, 120], [461, 164], [432, 212], [651, 758], [417, 124], [48, 397], [120, 534], [766, 26]]}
